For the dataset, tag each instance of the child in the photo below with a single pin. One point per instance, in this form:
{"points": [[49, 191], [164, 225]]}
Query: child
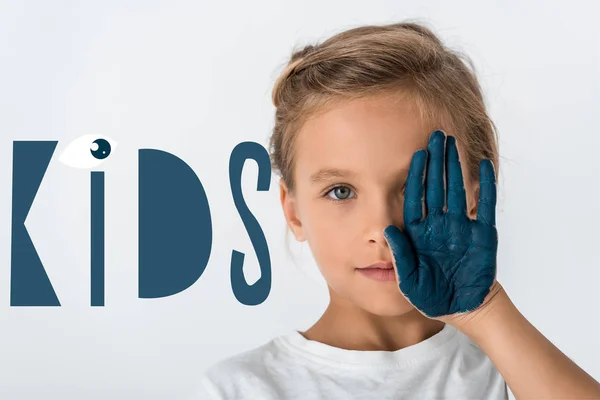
{"points": [[415, 310]]}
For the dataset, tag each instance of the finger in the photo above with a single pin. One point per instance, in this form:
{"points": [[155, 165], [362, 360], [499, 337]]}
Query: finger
{"points": [[486, 208], [435, 197], [455, 187], [413, 193], [404, 258]]}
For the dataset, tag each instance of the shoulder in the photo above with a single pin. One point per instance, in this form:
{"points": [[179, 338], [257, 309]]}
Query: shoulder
{"points": [[475, 364], [244, 363], [239, 375]]}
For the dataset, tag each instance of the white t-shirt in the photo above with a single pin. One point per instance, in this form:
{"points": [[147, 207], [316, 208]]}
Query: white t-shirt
{"points": [[448, 365]]}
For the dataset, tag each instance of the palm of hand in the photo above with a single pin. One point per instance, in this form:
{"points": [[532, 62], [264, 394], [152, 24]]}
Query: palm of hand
{"points": [[446, 262]]}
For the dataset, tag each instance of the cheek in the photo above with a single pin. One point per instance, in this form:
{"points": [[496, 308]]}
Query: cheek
{"points": [[328, 239], [331, 243], [332, 228]]}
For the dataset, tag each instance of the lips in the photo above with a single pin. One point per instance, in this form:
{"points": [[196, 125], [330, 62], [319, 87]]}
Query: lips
{"points": [[378, 273], [380, 265]]}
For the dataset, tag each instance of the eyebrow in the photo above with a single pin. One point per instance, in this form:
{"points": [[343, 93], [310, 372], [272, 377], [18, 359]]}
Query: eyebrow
{"points": [[327, 174]]}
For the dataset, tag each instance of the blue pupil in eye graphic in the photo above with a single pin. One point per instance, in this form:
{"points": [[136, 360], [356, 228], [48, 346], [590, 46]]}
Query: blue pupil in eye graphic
{"points": [[100, 149]]}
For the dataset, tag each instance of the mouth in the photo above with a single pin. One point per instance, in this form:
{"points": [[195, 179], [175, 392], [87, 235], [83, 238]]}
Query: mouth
{"points": [[379, 265], [379, 272]]}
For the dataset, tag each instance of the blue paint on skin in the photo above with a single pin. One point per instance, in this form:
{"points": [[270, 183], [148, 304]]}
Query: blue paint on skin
{"points": [[446, 262]]}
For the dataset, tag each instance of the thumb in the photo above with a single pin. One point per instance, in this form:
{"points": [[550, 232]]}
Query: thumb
{"points": [[404, 258]]}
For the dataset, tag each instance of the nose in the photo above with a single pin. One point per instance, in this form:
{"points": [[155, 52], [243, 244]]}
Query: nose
{"points": [[382, 213]]}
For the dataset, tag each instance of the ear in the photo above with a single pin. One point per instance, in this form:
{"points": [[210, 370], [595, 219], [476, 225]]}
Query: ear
{"points": [[290, 211]]}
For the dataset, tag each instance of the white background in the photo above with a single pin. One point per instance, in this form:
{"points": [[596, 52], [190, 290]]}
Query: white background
{"points": [[194, 79]]}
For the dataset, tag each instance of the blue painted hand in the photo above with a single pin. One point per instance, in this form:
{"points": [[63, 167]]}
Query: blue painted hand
{"points": [[446, 262]]}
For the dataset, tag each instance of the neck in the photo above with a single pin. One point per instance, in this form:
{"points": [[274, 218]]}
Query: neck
{"points": [[346, 326]]}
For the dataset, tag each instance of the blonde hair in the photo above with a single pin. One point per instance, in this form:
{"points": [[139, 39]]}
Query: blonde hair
{"points": [[405, 60]]}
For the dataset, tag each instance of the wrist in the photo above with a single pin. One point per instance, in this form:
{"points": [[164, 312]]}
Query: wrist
{"points": [[494, 308]]}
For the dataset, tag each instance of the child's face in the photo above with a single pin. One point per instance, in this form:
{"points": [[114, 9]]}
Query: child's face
{"points": [[373, 141]]}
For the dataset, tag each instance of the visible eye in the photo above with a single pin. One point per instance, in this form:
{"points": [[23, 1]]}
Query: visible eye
{"points": [[87, 151], [341, 191]]}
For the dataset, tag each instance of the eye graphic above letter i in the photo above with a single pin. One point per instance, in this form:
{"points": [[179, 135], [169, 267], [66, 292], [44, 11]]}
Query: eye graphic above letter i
{"points": [[89, 151]]}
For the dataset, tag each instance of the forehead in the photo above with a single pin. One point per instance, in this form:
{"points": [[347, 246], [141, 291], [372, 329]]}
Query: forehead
{"points": [[368, 136]]}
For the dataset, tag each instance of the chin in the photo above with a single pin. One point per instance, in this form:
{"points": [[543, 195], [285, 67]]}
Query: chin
{"points": [[388, 308]]}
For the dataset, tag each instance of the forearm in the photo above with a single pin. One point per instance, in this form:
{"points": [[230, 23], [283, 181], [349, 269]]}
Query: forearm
{"points": [[531, 365]]}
